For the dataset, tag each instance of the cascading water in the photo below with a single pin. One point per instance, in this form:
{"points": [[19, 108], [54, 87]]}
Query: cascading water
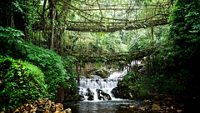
{"points": [[100, 88]]}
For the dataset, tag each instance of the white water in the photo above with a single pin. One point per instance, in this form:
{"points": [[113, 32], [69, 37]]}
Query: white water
{"points": [[105, 85], [118, 75]]}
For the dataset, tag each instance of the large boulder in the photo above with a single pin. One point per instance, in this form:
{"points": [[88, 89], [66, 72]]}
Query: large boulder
{"points": [[124, 93], [102, 95], [90, 94], [115, 92]]}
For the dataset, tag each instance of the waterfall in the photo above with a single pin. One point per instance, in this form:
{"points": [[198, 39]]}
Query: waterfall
{"points": [[100, 88]]}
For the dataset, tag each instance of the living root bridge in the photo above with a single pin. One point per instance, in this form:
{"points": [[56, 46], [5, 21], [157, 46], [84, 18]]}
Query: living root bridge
{"points": [[114, 26], [115, 57], [94, 18]]}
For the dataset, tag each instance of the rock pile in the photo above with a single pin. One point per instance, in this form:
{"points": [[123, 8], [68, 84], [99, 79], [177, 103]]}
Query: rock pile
{"points": [[42, 106], [165, 105]]}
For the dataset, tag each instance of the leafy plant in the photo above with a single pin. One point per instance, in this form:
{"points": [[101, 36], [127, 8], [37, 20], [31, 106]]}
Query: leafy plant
{"points": [[10, 32], [20, 82], [69, 65], [131, 85], [184, 33], [48, 61]]}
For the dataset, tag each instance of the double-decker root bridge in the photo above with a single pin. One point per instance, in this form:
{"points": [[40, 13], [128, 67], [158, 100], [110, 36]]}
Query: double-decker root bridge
{"points": [[107, 17]]}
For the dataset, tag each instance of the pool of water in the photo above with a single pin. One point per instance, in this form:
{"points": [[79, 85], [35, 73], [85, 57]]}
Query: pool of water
{"points": [[117, 106]]}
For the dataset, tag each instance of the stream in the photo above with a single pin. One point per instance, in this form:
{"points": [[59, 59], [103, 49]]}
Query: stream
{"points": [[113, 106], [92, 103], [97, 97]]}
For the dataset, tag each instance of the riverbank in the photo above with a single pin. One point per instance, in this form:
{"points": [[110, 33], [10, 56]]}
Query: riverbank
{"points": [[154, 104]]}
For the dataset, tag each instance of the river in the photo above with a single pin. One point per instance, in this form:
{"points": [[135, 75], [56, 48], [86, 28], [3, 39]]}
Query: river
{"points": [[117, 106]]}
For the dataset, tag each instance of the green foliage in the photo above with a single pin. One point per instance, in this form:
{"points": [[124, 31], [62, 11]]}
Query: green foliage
{"points": [[8, 36], [165, 85], [69, 65], [19, 82], [132, 83], [29, 10], [175, 62], [140, 85], [48, 61], [10, 32], [185, 21], [184, 33]]}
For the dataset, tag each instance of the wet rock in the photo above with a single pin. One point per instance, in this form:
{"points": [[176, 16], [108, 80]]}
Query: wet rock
{"points": [[119, 92], [90, 94], [143, 70], [179, 111], [147, 101], [42, 106], [156, 107], [81, 98], [102, 95], [132, 106], [115, 92], [159, 105], [68, 110]]}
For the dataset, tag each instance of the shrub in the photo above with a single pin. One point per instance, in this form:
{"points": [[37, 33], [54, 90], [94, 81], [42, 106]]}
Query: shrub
{"points": [[51, 64], [131, 84], [19, 82]]}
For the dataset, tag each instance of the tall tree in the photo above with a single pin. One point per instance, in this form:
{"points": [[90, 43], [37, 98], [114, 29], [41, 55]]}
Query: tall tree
{"points": [[11, 16], [184, 32]]}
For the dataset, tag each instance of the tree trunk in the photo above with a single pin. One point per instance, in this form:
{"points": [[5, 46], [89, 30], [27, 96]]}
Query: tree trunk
{"points": [[52, 19], [12, 23], [52, 28], [60, 94], [43, 22]]}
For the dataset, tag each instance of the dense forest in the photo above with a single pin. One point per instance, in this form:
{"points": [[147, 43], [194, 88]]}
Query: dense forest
{"points": [[46, 46]]}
